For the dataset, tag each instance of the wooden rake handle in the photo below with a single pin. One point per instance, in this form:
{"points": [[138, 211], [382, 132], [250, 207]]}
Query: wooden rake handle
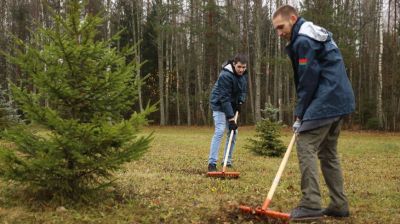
{"points": [[279, 173]]}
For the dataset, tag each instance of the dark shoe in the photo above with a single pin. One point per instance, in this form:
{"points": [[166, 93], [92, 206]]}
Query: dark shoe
{"points": [[302, 213], [336, 213], [212, 167], [229, 165]]}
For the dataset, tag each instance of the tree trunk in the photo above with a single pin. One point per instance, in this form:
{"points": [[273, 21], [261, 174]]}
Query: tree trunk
{"points": [[199, 64], [167, 75], [139, 13], [108, 19], [246, 41], [200, 95], [379, 110], [176, 55], [160, 60], [187, 93], [268, 59], [257, 59]]}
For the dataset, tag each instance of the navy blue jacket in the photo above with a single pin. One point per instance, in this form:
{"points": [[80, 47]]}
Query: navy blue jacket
{"points": [[322, 86], [228, 91]]}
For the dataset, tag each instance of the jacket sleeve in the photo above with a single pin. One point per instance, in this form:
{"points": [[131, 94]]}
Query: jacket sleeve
{"points": [[225, 85], [308, 74]]}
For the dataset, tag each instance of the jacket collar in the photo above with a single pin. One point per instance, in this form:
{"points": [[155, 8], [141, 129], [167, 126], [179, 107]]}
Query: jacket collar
{"points": [[296, 29]]}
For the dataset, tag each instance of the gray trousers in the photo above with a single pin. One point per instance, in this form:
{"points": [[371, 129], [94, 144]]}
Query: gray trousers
{"points": [[321, 143]]}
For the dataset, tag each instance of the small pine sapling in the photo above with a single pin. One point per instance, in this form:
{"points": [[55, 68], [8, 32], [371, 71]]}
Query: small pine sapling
{"points": [[267, 142]]}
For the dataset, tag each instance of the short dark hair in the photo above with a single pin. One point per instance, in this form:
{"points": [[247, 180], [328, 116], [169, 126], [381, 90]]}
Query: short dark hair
{"points": [[242, 58], [285, 11]]}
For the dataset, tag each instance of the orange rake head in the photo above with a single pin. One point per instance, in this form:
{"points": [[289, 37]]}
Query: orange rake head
{"points": [[224, 174], [267, 212]]}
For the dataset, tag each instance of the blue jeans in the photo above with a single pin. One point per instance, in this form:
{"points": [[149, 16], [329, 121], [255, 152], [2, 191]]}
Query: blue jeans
{"points": [[220, 123]]}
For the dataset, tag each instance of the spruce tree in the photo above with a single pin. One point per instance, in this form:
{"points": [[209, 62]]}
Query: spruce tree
{"points": [[84, 91], [267, 142]]}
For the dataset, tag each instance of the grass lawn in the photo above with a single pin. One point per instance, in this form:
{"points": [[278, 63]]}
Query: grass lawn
{"points": [[168, 184]]}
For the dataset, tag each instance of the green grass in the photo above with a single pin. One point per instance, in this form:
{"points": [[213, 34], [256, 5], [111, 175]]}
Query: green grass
{"points": [[168, 185]]}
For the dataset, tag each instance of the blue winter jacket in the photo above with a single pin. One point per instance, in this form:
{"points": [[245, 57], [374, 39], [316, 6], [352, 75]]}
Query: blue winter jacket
{"points": [[322, 86], [229, 90]]}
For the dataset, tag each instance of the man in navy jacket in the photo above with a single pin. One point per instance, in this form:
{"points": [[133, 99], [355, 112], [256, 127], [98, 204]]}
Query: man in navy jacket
{"points": [[227, 95], [324, 96]]}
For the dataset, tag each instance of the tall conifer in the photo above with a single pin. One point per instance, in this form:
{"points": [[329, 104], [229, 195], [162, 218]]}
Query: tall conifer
{"points": [[84, 92]]}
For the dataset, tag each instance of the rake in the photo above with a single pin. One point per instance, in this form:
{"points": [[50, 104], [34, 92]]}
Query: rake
{"points": [[264, 210], [223, 173]]}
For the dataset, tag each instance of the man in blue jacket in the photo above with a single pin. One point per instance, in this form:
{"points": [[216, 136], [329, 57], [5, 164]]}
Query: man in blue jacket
{"points": [[227, 96], [324, 96]]}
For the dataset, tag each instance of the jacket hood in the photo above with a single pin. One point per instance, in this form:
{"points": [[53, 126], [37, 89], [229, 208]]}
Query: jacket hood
{"points": [[228, 67], [314, 32], [309, 29]]}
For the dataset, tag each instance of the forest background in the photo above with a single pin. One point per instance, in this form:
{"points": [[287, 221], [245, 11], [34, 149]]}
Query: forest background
{"points": [[182, 44]]}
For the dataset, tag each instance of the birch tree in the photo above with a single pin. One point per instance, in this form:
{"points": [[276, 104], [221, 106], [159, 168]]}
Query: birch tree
{"points": [[379, 110]]}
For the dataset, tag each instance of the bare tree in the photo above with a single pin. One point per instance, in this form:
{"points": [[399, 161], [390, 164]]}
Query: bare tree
{"points": [[160, 58], [379, 110], [257, 59]]}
